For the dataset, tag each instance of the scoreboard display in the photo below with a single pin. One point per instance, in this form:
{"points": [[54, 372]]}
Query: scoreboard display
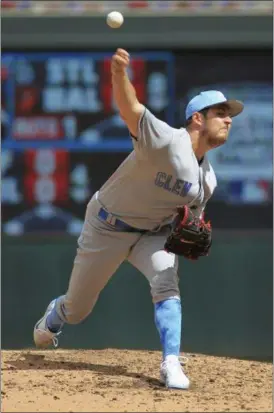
{"points": [[65, 100], [62, 136], [47, 190]]}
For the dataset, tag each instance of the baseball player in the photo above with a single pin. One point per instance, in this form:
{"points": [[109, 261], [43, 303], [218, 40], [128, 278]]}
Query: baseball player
{"points": [[134, 216]]}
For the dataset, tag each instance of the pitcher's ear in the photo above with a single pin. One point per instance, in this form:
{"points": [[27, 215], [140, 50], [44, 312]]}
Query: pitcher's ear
{"points": [[197, 118]]}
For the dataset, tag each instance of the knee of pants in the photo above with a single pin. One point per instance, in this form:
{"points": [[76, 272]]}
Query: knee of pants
{"points": [[164, 285], [74, 312]]}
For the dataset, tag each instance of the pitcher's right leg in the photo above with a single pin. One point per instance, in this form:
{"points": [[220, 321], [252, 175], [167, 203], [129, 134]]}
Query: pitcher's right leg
{"points": [[160, 268], [101, 250]]}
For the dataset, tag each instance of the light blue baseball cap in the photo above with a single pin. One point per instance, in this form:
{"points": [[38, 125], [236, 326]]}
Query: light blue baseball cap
{"points": [[212, 98]]}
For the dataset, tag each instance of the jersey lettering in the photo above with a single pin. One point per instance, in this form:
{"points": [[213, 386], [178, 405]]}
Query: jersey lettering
{"points": [[176, 186]]}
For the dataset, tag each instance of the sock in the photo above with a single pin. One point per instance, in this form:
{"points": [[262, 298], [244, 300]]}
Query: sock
{"points": [[168, 319], [54, 322]]}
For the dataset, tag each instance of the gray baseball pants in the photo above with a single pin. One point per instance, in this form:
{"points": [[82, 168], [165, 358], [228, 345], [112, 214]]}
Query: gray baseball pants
{"points": [[101, 250]]}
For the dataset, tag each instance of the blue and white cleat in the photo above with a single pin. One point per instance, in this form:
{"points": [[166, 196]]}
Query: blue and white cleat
{"points": [[172, 374], [42, 336]]}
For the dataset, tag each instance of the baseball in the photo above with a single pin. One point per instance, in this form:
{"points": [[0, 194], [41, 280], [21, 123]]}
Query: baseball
{"points": [[115, 19]]}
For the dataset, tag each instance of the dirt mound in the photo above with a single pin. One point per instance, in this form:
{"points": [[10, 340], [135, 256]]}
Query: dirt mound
{"points": [[128, 381]]}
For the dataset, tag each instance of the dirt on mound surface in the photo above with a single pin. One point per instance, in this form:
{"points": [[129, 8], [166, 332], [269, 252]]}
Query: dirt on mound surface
{"points": [[128, 381]]}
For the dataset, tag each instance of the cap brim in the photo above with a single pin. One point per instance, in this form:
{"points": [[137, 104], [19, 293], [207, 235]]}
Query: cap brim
{"points": [[235, 107]]}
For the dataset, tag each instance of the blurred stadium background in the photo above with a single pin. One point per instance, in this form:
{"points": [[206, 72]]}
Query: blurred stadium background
{"points": [[210, 6], [62, 137]]}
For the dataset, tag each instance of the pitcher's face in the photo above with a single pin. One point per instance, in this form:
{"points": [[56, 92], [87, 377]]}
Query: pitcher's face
{"points": [[216, 125]]}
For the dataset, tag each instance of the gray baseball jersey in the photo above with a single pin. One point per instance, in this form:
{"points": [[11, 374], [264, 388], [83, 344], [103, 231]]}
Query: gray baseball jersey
{"points": [[160, 174]]}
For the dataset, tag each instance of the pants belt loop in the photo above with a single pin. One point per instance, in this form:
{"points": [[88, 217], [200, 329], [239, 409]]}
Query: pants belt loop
{"points": [[111, 219]]}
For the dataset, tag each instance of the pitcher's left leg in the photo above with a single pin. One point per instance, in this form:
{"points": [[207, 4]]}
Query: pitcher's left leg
{"points": [[160, 268]]}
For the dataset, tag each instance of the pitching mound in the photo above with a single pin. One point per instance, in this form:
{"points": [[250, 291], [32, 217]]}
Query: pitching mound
{"points": [[128, 381]]}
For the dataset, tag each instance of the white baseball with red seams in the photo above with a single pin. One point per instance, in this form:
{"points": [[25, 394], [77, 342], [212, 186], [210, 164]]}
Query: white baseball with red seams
{"points": [[115, 19]]}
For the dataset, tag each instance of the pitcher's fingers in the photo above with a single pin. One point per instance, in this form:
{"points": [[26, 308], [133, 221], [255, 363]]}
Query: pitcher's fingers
{"points": [[119, 60], [117, 67], [122, 52]]}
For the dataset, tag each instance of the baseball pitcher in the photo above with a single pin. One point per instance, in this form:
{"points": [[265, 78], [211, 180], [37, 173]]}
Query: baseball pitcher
{"points": [[150, 211]]}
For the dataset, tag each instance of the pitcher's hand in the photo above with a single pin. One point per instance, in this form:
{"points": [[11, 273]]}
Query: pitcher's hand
{"points": [[120, 61]]}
